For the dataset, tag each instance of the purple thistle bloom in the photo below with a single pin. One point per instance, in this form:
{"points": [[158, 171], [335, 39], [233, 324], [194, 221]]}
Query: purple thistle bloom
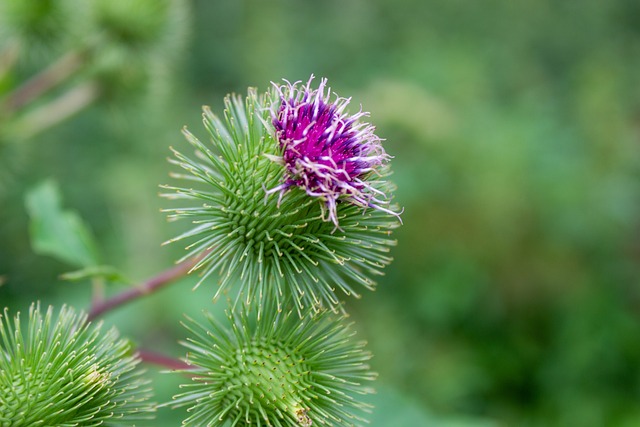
{"points": [[327, 152]]}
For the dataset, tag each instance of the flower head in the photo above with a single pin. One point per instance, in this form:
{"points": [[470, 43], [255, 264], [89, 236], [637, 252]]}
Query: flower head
{"points": [[63, 371], [327, 152], [279, 371], [275, 244]]}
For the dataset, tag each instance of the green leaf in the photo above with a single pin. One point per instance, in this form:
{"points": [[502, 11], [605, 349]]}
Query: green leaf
{"points": [[56, 232], [106, 272]]}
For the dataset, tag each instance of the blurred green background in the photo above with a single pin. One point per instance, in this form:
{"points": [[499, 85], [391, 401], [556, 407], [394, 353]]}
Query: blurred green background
{"points": [[514, 297]]}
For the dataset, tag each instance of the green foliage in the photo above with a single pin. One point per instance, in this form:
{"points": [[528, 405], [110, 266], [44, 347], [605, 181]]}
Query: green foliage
{"points": [[63, 235], [395, 409], [59, 57], [279, 370], [106, 272], [514, 130], [141, 40], [62, 371], [42, 25], [271, 245], [136, 23], [57, 232]]}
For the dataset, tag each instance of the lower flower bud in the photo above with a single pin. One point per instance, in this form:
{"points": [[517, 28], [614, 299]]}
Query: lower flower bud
{"points": [[279, 370]]}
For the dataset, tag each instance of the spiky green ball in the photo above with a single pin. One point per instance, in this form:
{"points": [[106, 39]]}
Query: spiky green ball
{"points": [[272, 244], [277, 371], [64, 372]]}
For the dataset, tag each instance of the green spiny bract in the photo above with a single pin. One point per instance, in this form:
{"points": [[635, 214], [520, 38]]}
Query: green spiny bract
{"points": [[272, 244], [279, 371], [65, 372]]}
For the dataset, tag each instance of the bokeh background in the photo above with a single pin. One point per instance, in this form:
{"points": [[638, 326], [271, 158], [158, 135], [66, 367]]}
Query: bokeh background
{"points": [[514, 297]]}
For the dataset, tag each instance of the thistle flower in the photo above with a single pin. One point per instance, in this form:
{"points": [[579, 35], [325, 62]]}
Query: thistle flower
{"points": [[64, 372], [280, 244], [280, 371], [326, 151]]}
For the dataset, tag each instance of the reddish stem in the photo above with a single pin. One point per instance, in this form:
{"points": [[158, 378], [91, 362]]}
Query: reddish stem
{"points": [[146, 288], [162, 360], [47, 79]]}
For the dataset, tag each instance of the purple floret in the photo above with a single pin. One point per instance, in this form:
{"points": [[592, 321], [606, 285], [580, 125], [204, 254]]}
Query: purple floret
{"points": [[328, 153]]}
